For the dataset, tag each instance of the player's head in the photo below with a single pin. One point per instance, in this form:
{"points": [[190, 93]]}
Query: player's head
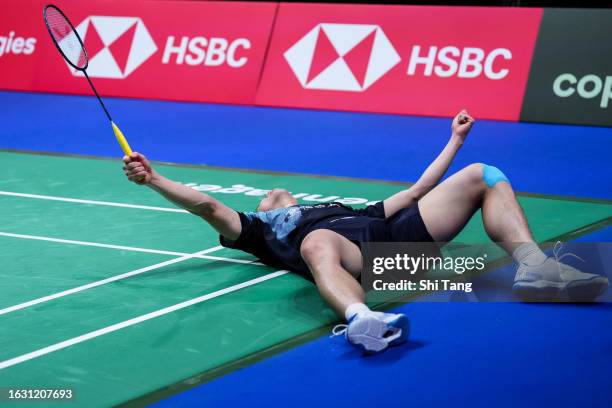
{"points": [[276, 198]]}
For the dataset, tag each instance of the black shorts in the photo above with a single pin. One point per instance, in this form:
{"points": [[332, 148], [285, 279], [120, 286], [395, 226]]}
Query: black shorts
{"points": [[404, 226]]}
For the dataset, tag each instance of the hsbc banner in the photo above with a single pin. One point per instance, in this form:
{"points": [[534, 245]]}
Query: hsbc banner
{"points": [[193, 51], [401, 59], [571, 75]]}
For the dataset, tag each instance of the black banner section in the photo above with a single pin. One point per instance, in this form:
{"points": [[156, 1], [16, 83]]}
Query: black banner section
{"points": [[571, 71], [400, 272]]}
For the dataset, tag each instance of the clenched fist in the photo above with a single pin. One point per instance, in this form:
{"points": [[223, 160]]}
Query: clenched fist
{"points": [[137, 168], [462, 123]]}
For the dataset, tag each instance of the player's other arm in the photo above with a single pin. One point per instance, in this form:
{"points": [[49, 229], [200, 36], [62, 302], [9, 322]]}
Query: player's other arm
{"points": [[462, 123], [222, 218]]}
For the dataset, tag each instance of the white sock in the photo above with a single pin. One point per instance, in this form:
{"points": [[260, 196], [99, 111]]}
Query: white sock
{"points": [[529, 254], [355, 309]]}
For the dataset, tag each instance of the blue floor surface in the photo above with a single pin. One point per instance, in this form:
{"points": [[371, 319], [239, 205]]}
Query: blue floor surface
{"points": [[460, 354], [550, 159]]}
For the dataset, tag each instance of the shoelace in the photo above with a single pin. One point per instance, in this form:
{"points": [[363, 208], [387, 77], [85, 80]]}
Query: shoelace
{"points": [[339, 330], [558, 256], [558, 248]]}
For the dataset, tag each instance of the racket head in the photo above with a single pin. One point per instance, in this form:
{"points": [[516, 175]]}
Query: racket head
{"points": [[65, 37]]}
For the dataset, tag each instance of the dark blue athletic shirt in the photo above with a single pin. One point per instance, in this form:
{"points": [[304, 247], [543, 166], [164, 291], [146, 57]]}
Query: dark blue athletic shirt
{"points": [[275, 236]]}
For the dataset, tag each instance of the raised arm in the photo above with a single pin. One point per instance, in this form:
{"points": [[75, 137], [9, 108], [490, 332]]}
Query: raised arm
{"points": [[462, 123], [222, 218]]}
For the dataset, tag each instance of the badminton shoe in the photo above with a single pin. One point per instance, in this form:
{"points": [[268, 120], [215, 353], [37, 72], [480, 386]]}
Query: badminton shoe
{"points": [[373, 332], [554, 280]]}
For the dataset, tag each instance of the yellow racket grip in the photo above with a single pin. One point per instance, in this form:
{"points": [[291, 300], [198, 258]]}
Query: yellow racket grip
{"points": [[121, 139]]}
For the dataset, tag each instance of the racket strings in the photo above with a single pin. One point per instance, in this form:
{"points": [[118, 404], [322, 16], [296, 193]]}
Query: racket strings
{"points": [[66, 38]]}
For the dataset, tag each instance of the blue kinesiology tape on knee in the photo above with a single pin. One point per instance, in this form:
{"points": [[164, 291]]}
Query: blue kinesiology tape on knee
{"points": [[492, 175]]}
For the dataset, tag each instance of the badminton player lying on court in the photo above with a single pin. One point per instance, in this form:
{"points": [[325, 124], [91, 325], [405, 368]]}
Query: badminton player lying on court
{"points": [[322, 242]]}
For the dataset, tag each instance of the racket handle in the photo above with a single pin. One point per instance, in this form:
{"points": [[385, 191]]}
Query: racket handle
{"points": [[121, 139]]}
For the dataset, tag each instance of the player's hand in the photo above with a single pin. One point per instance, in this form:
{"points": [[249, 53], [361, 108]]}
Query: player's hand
{"points": [[462, 123], [137, 168]]}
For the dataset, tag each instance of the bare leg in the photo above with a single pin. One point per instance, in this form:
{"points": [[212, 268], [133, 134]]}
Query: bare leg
{"points": [[448, 207], [503, 217], [334, 261]]}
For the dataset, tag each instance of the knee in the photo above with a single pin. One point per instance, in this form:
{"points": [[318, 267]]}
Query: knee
{"points": [[491, 175], [474, 174], [477, 173], [315, 248]]}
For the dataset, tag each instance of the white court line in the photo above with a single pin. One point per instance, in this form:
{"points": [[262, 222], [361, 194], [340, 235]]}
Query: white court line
{"points": [[118, 326], [92, 244], [240, 261], [105, 281], [125, 248], [76, 200]]}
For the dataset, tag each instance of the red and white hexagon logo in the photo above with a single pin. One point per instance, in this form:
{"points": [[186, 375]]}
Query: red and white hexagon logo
{"points": [[116, 46], [342, 57]]}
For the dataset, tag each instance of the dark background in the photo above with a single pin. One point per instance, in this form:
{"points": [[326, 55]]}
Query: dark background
{"points": [[576, 42]]}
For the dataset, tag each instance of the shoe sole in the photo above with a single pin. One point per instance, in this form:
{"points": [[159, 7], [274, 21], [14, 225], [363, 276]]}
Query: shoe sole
{"points": [[586, 291], [576, 291], [373, 345], [402, 322]]}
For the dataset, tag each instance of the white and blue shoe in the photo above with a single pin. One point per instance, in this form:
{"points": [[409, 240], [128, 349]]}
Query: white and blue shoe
{"points": [[556, 281], [373, 332]]}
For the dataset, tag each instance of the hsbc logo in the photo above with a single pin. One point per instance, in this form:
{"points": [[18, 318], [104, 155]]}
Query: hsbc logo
{"points": [[116, 46], [342, 57], [352, 57]]}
